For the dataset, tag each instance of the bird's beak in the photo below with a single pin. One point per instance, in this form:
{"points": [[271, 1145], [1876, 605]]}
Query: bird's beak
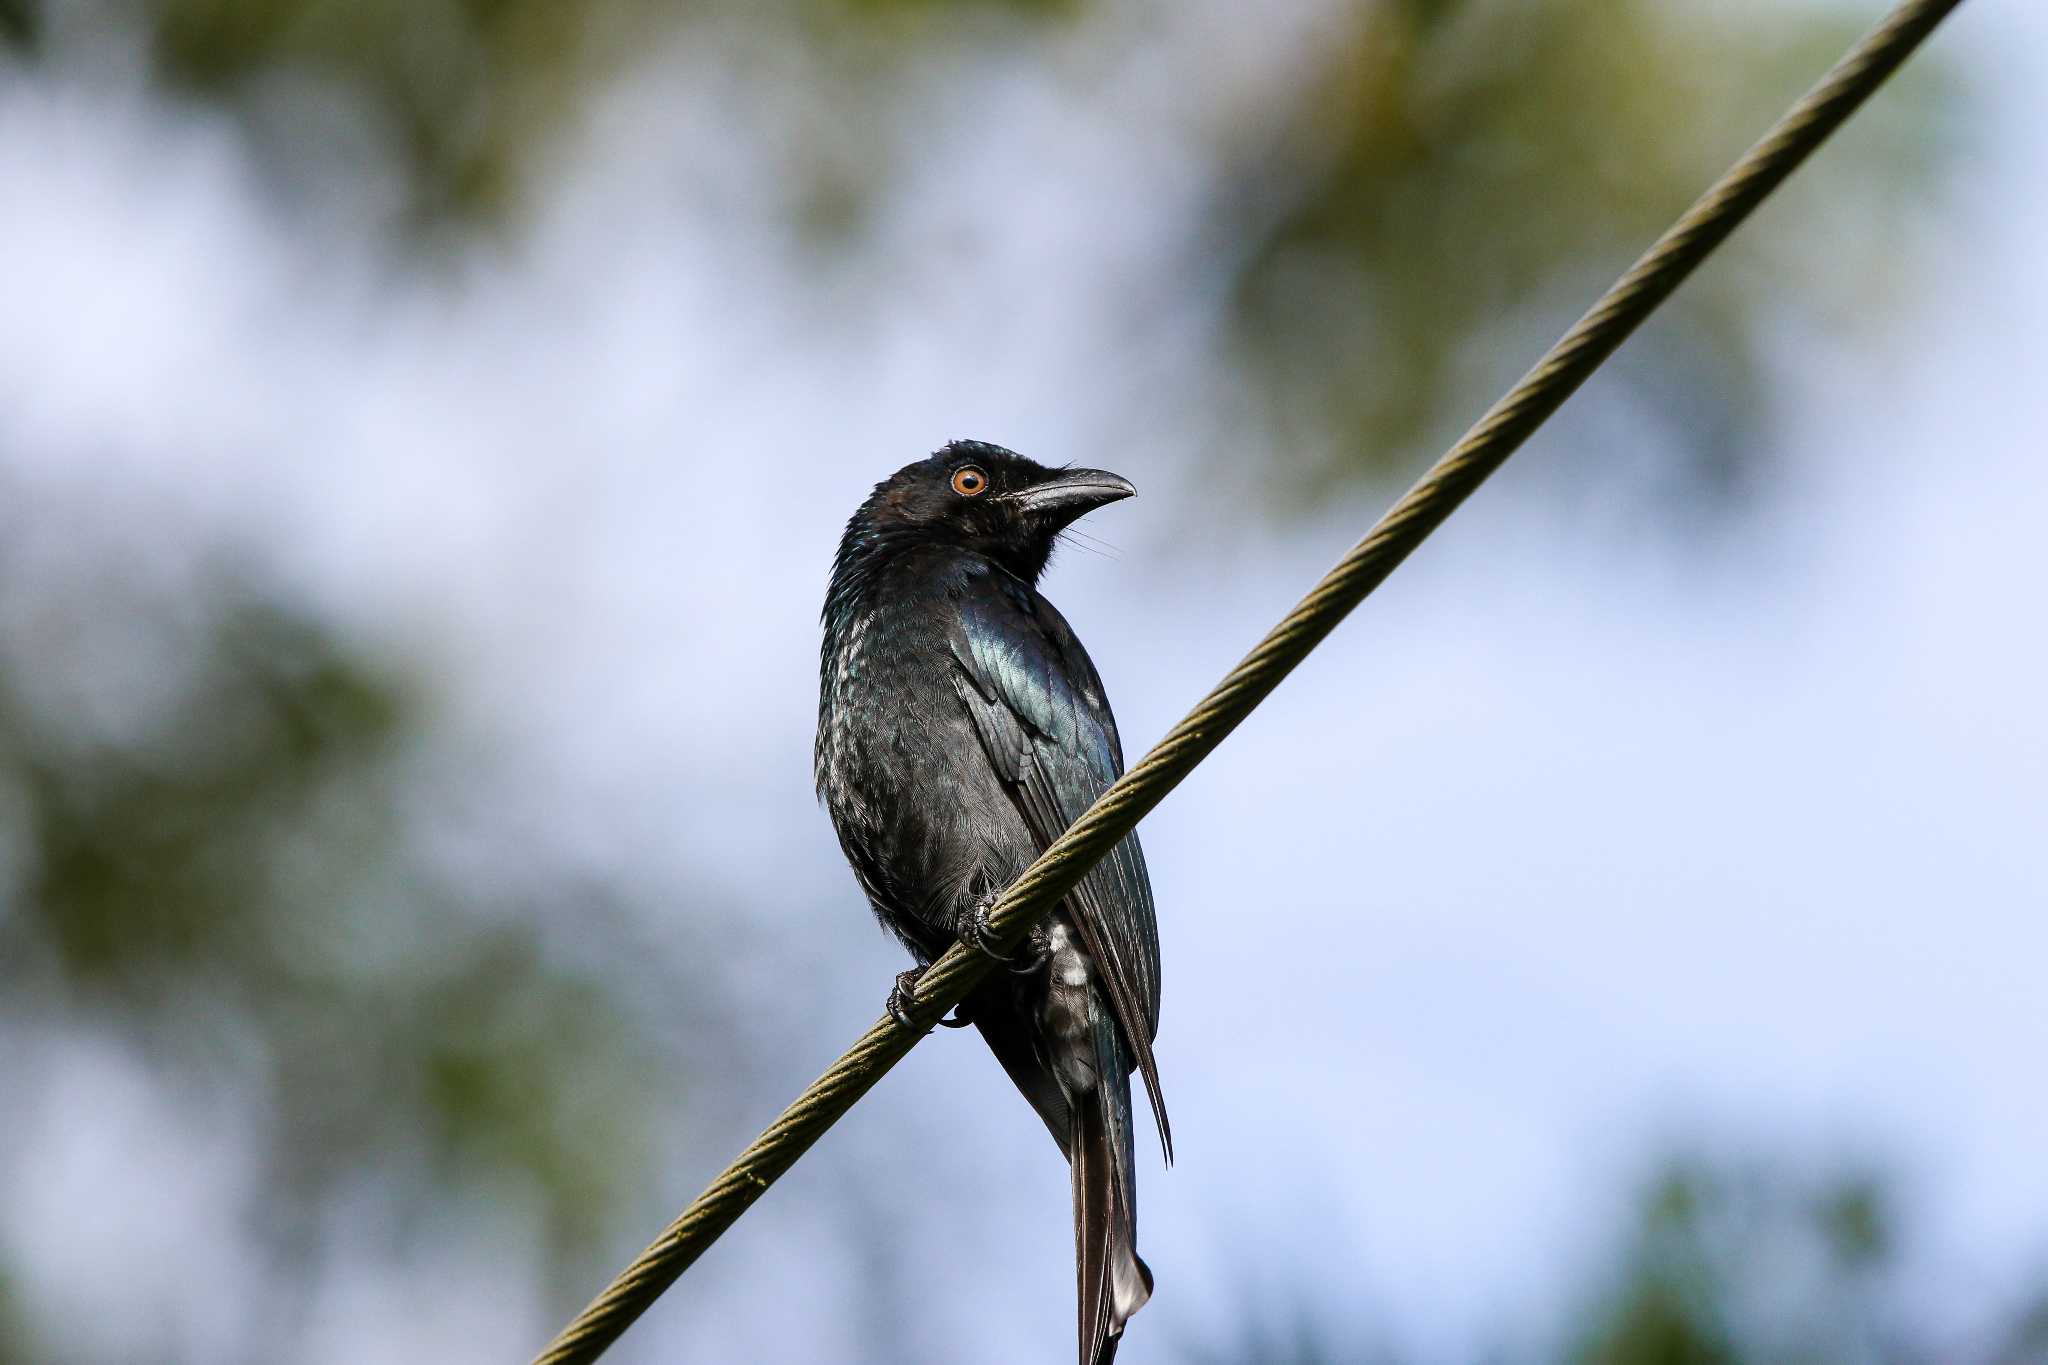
{"points": [[1072, 492]]}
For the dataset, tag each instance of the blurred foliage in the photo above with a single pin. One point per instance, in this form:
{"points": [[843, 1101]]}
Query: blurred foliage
{"points": [[1753, 1262], [1412, 221], [1722, 1263], [2026, 1342], [225, 879], [210, 865], [460, 85], [1747, 1265], [1396, 224], [469, 90], [150, 865], [16, 1344], [18, 26]]}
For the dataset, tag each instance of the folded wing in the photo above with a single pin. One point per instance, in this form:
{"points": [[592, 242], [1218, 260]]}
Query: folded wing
{"points": [[1038, 706]]}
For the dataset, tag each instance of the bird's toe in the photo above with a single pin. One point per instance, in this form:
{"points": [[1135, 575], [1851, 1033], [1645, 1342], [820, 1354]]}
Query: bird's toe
{"points": [[903, 999]]}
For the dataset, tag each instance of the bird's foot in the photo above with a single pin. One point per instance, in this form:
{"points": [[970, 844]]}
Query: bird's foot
{"points": [[903, 998], [980, 935]]}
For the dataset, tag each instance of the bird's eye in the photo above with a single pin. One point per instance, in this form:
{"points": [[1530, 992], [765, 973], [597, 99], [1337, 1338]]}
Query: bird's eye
{"points": [[969, 481]]}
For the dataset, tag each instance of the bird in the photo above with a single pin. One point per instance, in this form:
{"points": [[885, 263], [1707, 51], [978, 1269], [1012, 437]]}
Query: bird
{"points": [[961, 728]]}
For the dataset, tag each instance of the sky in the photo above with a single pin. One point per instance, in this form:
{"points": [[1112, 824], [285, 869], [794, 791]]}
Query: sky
{"points": [[1569, 849]]}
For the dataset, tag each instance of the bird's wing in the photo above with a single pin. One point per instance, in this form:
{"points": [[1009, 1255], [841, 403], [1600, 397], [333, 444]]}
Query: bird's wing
{"points": [[1039, 708]]}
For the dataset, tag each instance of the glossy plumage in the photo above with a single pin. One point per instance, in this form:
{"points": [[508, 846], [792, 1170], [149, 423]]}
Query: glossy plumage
{"points": [[961, 728]]}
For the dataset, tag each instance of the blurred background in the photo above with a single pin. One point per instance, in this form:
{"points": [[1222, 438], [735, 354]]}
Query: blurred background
{"points": [[424, 430]]}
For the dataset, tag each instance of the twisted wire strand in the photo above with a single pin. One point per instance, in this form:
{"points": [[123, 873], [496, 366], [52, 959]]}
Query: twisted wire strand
{"points": [[1482, 450]]}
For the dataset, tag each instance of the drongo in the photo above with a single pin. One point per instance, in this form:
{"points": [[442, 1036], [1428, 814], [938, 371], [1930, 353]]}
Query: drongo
{"points": [[961, 728]]}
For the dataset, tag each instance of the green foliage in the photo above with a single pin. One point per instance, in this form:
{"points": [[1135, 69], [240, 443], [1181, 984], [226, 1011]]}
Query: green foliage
{"points": [[1730, 1265], [1054, 9], [148, 862], [470, 90], [229, 890], [1459, 173], [1718, 1263], [1396, 226], [18, 24], [16, 1345], [464, 87], [2026, 1341]]}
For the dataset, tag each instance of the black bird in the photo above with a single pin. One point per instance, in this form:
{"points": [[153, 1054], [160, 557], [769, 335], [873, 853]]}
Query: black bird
{"points": [[961, 728]]}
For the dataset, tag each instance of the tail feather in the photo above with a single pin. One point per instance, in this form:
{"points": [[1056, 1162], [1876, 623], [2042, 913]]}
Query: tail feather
{"points": [[1113, 1282]]}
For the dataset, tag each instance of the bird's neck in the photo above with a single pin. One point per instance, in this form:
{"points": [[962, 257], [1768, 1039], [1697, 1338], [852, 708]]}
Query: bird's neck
{"points": [[865, 557], [866, 572]]}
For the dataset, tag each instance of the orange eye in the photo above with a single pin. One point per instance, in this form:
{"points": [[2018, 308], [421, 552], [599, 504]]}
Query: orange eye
{"points": [[969, 482]]}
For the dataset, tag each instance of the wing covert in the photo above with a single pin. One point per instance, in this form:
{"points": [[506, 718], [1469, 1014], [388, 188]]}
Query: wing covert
{"points": [[1038, 706]]}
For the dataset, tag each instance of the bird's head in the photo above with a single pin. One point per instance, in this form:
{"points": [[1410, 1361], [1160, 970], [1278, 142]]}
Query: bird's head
{"points": [[981, 498]]}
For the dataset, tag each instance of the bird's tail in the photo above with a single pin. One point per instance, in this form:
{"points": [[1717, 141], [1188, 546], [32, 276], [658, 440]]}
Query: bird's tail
{"points": [[1114, 1283]]}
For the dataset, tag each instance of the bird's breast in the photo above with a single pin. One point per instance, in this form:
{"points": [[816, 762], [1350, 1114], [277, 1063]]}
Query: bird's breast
{"points": [[919, 807], [894, 745]]}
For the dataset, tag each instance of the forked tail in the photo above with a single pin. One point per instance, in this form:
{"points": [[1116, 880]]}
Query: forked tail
{"points": [[1114, 1283]]}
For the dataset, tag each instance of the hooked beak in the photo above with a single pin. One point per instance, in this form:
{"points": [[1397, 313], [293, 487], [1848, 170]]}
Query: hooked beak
{"points": [[1072, 492]]}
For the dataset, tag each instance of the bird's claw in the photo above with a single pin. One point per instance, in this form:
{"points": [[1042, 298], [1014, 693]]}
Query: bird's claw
{"points": [[903, 999], [980, 934]]}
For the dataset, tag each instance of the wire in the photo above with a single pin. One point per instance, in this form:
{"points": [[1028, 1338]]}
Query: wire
{"points": [[1482, 450]]}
